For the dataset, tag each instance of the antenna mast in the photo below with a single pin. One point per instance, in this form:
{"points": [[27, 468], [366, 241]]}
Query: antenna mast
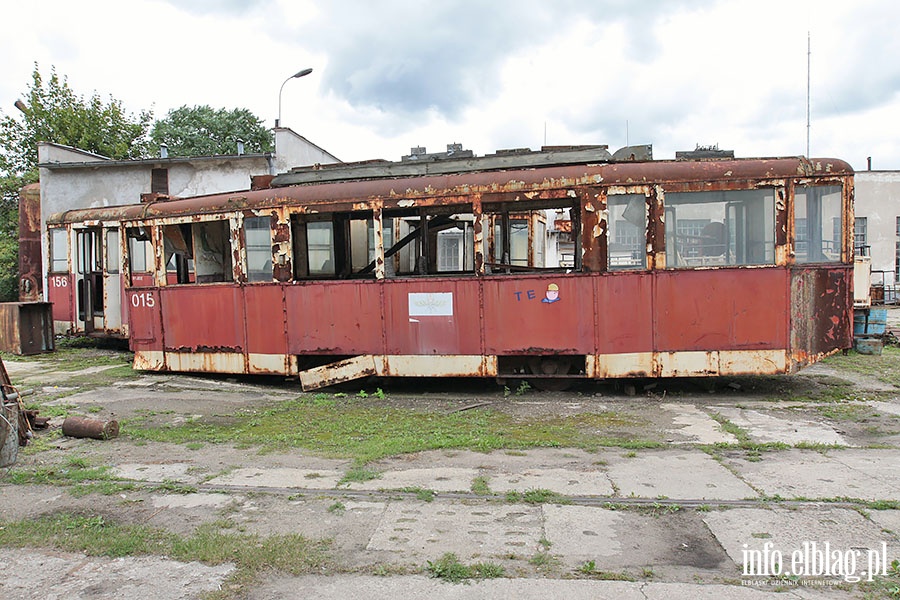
{"points": [[808, 60]]}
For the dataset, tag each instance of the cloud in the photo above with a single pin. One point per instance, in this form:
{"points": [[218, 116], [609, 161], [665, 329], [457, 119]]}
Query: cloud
{"points": [[410, 58]]}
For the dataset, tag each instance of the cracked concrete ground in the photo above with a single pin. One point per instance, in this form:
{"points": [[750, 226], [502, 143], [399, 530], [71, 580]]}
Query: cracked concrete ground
{"points": [[676, 521]]}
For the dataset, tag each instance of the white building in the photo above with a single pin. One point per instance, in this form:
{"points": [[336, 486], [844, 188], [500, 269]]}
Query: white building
{"points": [[72, 179], [877, 230]]}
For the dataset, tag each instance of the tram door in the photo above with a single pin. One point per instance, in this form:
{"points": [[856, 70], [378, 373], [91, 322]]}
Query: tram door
{"points": [[89, 279], [112, 281]]}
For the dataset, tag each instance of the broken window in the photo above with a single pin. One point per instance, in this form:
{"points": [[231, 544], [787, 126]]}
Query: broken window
{"points": [[445, 244], [140, 252], [817, 224], [198, 252], [339, 245], [720, 228], [516, 241], [627, 227]]}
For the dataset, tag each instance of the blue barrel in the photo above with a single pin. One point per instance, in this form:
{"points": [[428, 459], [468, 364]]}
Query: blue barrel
{"points": [[872, 321], [866, 345]]}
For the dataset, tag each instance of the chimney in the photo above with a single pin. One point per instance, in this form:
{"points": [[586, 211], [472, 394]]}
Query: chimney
{"points": [[240, 146], [869, 161], [163, 151]]}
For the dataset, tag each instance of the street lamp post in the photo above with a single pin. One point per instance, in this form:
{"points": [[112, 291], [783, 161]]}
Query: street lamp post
{"points": [[302, 73]]}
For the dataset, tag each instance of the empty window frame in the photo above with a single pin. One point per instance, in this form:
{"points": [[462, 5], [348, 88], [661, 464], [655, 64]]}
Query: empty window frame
{"points": [[59, 250], [721, 228], [446, 244], [860, 236], [517, 241], [627, 231], [258, 245], [198, 252], [339, 245], [817, 224], [140, 252], [112, 251]]}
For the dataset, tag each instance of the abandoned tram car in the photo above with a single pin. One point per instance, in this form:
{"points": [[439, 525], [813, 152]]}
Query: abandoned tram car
{"points": [[553, 265]]}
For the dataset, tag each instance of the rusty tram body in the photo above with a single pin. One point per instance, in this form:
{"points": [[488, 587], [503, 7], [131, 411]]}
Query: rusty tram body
{"points": [[677, 268]]}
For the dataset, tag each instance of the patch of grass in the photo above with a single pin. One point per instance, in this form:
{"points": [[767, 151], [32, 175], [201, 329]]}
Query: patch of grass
{"points": [[449, 568], [359, 474], [480, 486], [423, 494], [856, 413], [366, 432], [588, 567], [337, 508], [612, 576], [885, 368], [211, 544], [544, 561]]}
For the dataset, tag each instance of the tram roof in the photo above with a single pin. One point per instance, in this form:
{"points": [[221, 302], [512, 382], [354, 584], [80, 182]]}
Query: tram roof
{"points": [[498, 175]]}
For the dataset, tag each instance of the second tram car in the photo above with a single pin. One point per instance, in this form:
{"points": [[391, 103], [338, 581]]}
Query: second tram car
{"points": [[667, 269]]}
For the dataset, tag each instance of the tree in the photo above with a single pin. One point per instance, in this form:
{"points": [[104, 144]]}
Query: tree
{"points": [[204, 131], [52, 112]]}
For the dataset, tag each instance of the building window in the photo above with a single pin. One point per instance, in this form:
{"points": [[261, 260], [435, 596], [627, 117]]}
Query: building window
{"points": [[860, 236], [159, 181]]}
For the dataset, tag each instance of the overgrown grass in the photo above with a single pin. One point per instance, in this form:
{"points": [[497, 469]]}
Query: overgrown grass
{"points": [[211, 544], [449, 568], [348, 428], [75, 473], [885, 368]]}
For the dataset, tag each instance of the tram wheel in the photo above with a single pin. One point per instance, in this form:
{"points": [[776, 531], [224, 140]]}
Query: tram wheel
{"points": [[547, 366]]}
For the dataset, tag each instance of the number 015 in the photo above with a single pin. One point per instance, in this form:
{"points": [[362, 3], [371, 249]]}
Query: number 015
{"points": [[143, 300]]}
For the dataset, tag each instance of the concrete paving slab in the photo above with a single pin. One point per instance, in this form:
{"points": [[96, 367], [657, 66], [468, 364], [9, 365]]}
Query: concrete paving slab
{"points": [[765, 428], [891, 408], [192, 500], [880, 465], [676, 474], [807, 474], [743, 530], [431, 529], [155, 472], [888, 520], [56, 576], [439, 479], [417, 586], [621, 539], [696, 426], [283, 477], [569, 482]]}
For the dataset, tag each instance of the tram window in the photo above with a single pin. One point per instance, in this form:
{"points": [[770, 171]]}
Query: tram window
{"points": [[517, 240], [112, 251], [627, 226], [179, 253], [448, 247], [720, 228], [59, 251], [212, 251], [258, 243], [817, 224], [139, 250]]}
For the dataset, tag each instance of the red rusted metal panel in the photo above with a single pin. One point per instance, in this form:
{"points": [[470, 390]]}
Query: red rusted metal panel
{"points": [[721, 309], [30, 279], [26, 327], [821, 320], [334, 317], [266, 327], [539, 315], [434, 316], [203, 318], [60, 294], [624, 307], [144, 319]]}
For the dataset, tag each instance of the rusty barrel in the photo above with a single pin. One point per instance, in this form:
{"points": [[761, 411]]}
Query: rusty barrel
{"points": [[82, 427]]}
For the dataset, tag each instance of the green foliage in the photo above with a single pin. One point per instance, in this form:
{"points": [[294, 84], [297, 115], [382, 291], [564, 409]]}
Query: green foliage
{"points": [[448, 568], [204, 131], [52, 112]]}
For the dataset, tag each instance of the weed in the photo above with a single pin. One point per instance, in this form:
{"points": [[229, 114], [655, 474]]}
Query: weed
{"points": [[545, 543], [543, 561], [423, 494], [449, 568], [362, 394], [359, 474], [588, 567], [379, 393], [337, 508], [523, 388], [95, 409], [480, 486]]}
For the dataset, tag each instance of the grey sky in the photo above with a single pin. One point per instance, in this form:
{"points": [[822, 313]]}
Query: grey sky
{"points": [[393, 74]]}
